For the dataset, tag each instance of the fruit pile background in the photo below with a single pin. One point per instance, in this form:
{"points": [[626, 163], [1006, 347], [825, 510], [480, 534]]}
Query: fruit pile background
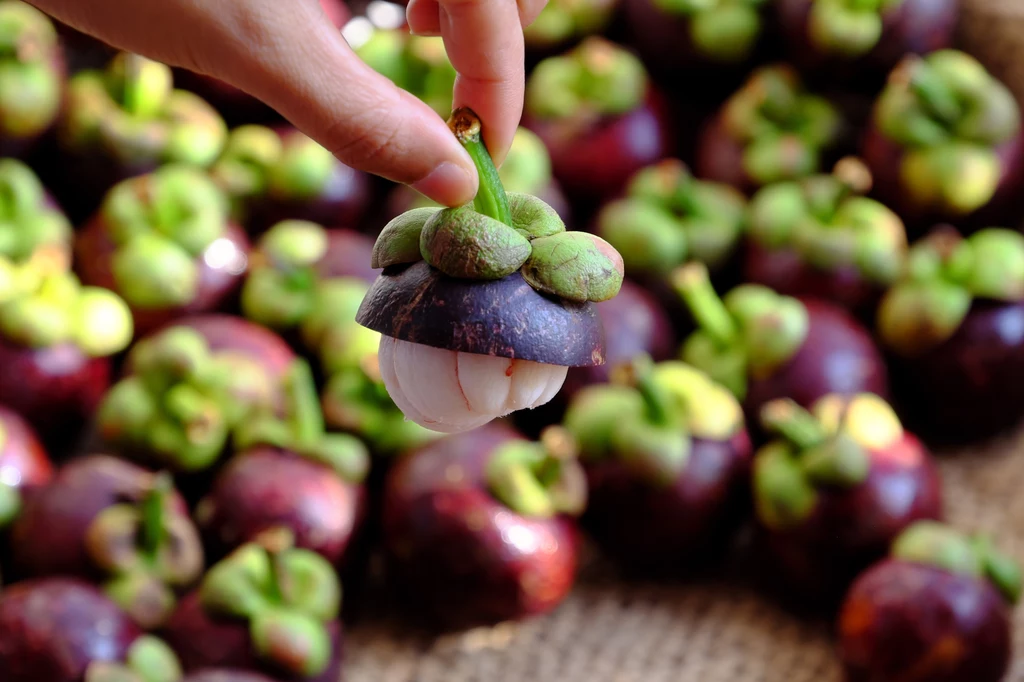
{"points": [[608, 629]]}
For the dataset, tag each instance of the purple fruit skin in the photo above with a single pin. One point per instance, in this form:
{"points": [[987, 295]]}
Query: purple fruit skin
{"points": [[264, 488], [203, 642], [912, 622], [674, 528], [838, 356], [457, 554], [48, 537], [22, 456], [349, 254], [51, 629], [970, 387], [850, 529]]}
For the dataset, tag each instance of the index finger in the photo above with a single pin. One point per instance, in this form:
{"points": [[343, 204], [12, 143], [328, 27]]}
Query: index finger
{"points": [[484, 41]]}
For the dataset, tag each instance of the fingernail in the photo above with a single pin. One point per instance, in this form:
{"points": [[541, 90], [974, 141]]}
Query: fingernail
{"points": [[448, 184]]}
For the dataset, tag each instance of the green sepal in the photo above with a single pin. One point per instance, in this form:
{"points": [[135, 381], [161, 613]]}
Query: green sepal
{"points": [[532, 217], [933, 543], [293, 642], [10, 498], [835, 27], [783, 497], [841, 461], [538, 480], [465, 244], [593, 414], [302, 170], [650, 240], [728, 32], [399, 241], [659, 453], [577, 266]]}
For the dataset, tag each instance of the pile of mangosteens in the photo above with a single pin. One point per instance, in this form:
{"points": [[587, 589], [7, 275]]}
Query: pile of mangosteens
{"points": [[749, 268]]}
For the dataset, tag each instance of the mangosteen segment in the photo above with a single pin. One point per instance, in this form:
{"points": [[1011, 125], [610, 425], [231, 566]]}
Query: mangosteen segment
{"points": [[288, 596], [949, 116], [746, 335], [725, 32], [944, 276], [33, 65]]}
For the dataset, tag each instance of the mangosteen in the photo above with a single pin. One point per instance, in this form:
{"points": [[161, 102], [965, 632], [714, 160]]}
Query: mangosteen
{"points": [[772, 129], [33, 229], [483, 308], [667, 457], [34, 77], [831, 493], [945, 145], [600, 116], [56, 342], [820, 236], [66, 630], [563, 23], [267, 608], [24, 464], [695, 36], [526, 169], [107, 520], [937, 609], [954, 329], [127, 121], [417, 64], [861, 40], [668, 217], [478, 527], [165, 243], [231, 334], [763, 346]]}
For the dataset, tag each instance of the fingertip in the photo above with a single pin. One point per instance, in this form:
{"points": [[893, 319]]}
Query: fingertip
{"points": [[449, 184]]}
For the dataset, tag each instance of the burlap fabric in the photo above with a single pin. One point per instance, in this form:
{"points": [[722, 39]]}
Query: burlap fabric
{"points": [[609, 631]]}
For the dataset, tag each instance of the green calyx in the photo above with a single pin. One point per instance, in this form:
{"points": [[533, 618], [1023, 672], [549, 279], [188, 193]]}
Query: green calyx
{"points": [[417, 64], [39, 310], [30, 227], [563, 20], [782, 127], [10, 501], [31, 81], [539, 479], [943, 276], [848, 28], [749, 334], [131, 111], [939, 545], [828, 221], [593, 80], [577, 266], [181, 402], [721, 30], [280, 290], [669, 216], [330, 330], [303, 169], [148, 550], [161, 224], [243, 169], [148, 659], [288, 596]]}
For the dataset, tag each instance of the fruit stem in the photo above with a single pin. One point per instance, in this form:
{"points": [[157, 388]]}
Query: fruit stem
{"points": [[491, 199], [935, 94], [153, 505], [275, 542], [638, 373], [693, 283], [793, 423], [307, 420]]}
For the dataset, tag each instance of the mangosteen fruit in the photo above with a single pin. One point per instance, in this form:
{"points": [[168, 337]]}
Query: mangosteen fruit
{"points": [[56, 342], [478, 527], [944, 144], [32, 89], [763, 346], [938, 608], [483, 308], [695, 35], [563, 23], [821, 236], [33, 229], [667, 458], [417, 64], [600, 116], [110, 521], [838, 484], [233, 334], [165, 243], [66, 630], [772, 129], [954, 330], [124, 121], [24, 463], [268, 608]]}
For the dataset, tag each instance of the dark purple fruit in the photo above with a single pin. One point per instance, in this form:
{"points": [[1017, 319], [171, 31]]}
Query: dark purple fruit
{"points": [[945, 145], [937, 609], [348, 255], [477, 528], [667, 457], [839, 484], [821, 237], [267, 608], [954, 329], [600, 117], [772, 129], [25, 464]]}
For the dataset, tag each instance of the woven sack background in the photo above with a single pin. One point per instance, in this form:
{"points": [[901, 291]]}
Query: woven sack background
{"points": [[610, 631]]}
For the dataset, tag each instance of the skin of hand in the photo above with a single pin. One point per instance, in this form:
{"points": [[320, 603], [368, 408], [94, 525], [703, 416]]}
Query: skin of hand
{"points": [[286, 53]]}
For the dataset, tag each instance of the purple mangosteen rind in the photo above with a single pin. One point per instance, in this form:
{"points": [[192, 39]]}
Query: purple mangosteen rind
{"points": [[34, 79]]}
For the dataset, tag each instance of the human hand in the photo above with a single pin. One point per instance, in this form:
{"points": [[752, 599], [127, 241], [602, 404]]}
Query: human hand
{"points": [[288, 54]]}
